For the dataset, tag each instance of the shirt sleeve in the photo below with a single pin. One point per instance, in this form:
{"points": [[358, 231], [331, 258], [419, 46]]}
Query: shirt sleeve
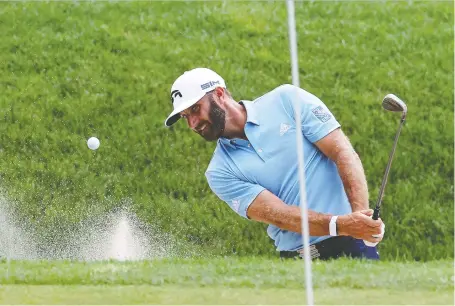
{"points": [[237, 193], [317, 119]]}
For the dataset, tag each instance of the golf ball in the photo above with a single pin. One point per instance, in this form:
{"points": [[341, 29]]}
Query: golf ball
{"points": [[93, 143]]}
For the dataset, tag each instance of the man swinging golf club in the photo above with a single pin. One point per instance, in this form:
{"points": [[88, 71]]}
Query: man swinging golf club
{"points": [[254, 167]]}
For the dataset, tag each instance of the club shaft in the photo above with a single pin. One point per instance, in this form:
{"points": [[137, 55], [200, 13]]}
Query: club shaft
{"points": [[387, 170]]}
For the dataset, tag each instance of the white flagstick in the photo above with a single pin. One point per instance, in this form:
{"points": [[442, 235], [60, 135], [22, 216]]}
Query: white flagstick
{"points": [[8, 255], [7, 268], [303, 203]]}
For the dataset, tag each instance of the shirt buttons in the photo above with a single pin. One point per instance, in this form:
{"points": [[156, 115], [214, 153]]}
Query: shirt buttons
{"points": [[260, 150], [249, 145]]}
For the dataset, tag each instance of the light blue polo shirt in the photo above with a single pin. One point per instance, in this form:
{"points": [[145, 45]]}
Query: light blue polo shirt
{"points": [[241, 169]]}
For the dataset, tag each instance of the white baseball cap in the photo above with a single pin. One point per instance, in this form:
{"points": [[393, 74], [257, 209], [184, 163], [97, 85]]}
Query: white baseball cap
{"points": [[189, 88]]}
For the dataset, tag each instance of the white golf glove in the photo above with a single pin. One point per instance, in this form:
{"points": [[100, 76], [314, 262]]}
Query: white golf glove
{"points": [[372, 244]]}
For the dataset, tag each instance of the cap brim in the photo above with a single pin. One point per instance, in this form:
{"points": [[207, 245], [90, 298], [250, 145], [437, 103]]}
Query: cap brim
{"points": [[175, 115]]}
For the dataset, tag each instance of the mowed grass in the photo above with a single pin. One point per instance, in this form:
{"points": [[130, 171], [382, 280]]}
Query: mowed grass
{"points": [[170, 294], [227, 280]]}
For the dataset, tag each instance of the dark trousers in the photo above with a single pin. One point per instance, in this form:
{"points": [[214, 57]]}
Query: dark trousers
{"points": [[335, 247]]}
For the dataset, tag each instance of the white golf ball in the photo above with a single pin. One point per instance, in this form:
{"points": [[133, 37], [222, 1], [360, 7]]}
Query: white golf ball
{"points": [[93, 143]]}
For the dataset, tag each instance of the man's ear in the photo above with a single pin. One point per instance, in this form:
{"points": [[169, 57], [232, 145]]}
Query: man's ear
{"points": [[221, 94]]}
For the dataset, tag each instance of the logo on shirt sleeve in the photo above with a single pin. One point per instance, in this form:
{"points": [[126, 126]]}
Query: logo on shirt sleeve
{"points": [[321, 113]]}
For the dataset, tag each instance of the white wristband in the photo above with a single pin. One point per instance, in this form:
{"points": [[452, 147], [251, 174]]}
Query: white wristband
{"points": [[333, 226]]}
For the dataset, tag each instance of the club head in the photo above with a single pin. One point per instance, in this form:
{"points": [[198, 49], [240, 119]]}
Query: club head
{"points": [[394, 104]]}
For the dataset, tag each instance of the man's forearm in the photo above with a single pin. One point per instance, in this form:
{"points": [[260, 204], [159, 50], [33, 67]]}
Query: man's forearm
{"points": [[318, 223], [353, 176], [358, 225], [268, 208]]}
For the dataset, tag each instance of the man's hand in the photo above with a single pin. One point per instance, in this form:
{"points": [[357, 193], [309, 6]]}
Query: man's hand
{"points": [[360, 225]]}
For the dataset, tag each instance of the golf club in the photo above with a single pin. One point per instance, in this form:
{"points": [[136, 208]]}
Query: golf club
{"points": [[394, 104]]}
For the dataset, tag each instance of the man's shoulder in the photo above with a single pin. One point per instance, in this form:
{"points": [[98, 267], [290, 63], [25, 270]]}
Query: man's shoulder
{"points": [[275, 93], [274, 102]]}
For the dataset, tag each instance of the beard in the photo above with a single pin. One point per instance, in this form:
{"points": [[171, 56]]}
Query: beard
{"points": [[215, 127]]}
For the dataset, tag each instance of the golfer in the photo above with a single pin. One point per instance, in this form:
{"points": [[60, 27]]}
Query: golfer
{"points": [[254, 167]]}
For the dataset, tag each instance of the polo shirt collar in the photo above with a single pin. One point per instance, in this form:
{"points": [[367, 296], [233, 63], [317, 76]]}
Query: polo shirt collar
{"points": [[251, 114], [251, 117]]}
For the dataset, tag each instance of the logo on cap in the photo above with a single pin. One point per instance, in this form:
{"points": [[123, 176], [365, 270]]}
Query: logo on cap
{"points": [[174, 94], [209, 84]]}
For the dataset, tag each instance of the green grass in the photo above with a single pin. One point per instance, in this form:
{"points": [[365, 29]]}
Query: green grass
{"points": [[143, 294], [225, 281], [69, 71]]}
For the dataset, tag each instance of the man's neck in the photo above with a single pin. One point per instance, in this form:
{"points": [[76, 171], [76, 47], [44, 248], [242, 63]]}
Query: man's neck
{"points": [[236, 117]]}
